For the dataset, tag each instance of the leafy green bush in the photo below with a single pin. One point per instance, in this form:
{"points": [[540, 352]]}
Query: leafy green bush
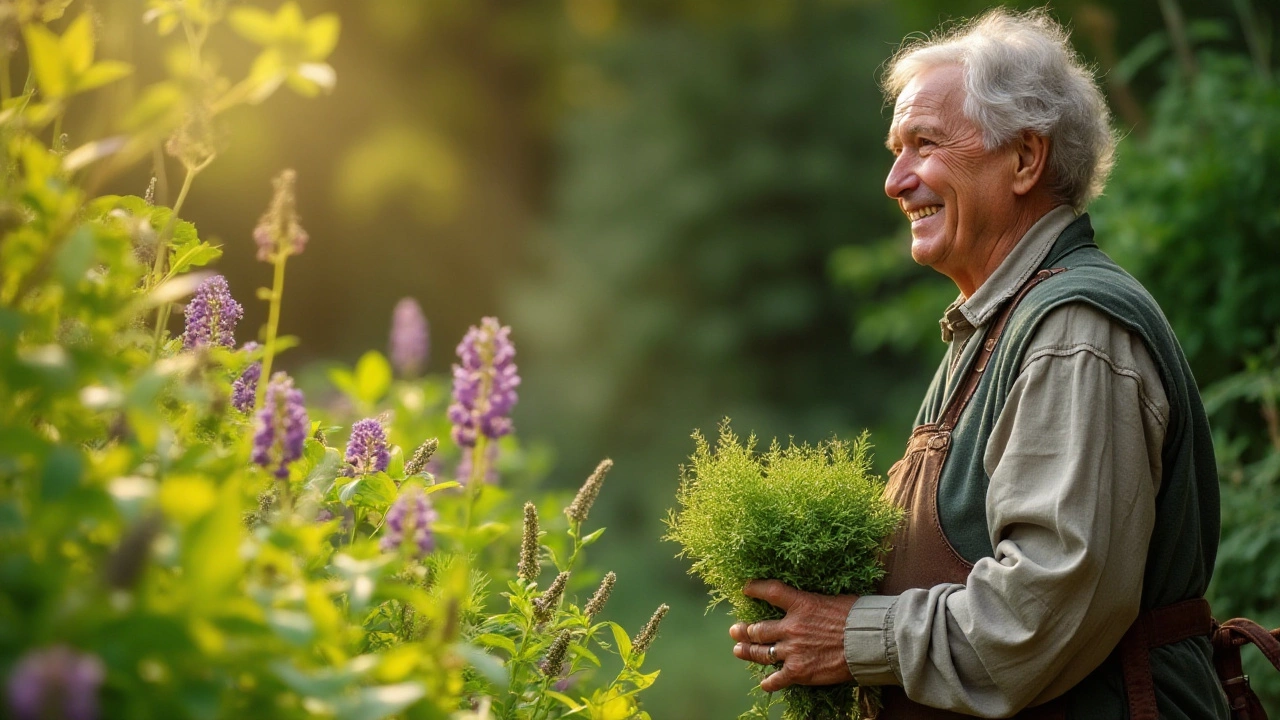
{"points": [[813, 517], [183, 535]]}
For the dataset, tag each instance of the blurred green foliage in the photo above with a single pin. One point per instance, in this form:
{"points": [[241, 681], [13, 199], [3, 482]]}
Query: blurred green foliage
{"points": [[171, 547], [678, 201], [1192, 211]]}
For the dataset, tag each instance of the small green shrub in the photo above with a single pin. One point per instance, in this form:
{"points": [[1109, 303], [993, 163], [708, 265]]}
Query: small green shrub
{"points": [[813, 517]]}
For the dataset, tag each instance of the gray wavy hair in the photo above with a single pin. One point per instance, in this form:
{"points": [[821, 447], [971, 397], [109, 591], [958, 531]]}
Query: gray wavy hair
{"points": [[1020, 73]]}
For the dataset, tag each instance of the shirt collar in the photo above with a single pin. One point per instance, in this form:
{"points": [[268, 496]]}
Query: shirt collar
{"points": [[1012, 273]]}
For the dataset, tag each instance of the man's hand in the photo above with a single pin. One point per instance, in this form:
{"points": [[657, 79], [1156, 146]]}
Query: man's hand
{"points": [[808, 642]]}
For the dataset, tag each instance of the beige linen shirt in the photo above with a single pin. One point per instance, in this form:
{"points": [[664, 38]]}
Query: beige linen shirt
{"points": [[1074, 467]]}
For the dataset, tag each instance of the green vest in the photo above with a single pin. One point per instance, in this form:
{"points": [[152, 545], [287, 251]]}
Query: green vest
{"points": [[1184, 541]]}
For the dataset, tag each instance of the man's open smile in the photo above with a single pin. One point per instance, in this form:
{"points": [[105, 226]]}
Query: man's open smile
{"points": [[923, 212]]}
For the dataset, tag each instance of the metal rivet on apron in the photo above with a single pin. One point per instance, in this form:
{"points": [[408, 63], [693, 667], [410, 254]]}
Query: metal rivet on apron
{"points": [[940, 441], [990, 345]]}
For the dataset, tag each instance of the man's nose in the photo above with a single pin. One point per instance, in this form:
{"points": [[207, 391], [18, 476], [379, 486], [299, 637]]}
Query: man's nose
{"points": [[901, 178]]}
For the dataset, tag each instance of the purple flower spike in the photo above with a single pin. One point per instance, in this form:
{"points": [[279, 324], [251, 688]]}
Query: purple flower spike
{"points": [[212, 315], [484, 384], [244, 390], [281, 426], [278, 231], [367, 449], [411, 513], [410, 338], [55, 682]]}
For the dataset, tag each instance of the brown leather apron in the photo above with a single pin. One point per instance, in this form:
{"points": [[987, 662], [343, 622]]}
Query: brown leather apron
{"points": [[921, 556]]}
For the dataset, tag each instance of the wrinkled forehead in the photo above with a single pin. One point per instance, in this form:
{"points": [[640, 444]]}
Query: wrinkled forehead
{"points": [[934, 94]]}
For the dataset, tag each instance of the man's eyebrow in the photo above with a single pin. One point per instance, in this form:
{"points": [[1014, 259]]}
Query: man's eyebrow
{"points": [[912, 130]]}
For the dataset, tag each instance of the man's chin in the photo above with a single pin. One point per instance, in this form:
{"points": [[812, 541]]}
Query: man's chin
{"points": [[924, 251]]}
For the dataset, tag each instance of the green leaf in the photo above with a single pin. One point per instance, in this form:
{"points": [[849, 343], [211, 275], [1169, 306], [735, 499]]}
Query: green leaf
{"points": [[325, 471], [590, 539], [622, 639], [62, 472], [266, 74], [372, 377], [322, 36], [441, 486], [191, 255], [487, 665], [643, 681], [75, 257], [375, 703], [47, 63], [77, 44], [253, 24], [294, 627], [211, 550], [564, 699], [494, 640], [102, 73], [158, 109], [376, 491]]}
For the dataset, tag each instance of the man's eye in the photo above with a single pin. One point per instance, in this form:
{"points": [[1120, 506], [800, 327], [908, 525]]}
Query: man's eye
{"points": [[926, 142]]}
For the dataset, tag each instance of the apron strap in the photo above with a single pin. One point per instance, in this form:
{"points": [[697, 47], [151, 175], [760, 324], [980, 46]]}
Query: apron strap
{"points": [[964, 393], [1155, 628], [1228, 638]]}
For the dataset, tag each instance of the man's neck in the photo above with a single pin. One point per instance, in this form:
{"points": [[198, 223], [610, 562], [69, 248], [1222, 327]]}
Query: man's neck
{"points": [[985, 261]]}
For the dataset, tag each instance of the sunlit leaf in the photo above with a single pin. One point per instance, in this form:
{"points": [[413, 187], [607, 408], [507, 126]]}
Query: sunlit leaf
{"points": [[210, 559], [375, 703], [322, 35], [373, 377], [77, 44], [253, 24], [47, 63], [101, 73]]}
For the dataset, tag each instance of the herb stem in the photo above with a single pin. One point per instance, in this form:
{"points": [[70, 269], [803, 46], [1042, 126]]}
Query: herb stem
{"points": [[162, 253], [273, 321]]}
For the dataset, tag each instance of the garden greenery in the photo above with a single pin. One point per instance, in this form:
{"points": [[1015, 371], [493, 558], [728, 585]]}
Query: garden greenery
{"points": [[813, 517], [183, 535]]}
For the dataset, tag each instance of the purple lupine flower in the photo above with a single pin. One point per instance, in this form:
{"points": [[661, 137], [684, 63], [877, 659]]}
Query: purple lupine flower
{"points": [[490, 465], [367, 449], [412, 511], [484, 384], [212, 315], [410, 338], [55, 682], [244, 391], [281, 426], [278, 230]]}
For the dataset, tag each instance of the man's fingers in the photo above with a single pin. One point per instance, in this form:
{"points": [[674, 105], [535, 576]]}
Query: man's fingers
{"points": [[765, 631], [774, 592], [754, 652], [777, 681]]}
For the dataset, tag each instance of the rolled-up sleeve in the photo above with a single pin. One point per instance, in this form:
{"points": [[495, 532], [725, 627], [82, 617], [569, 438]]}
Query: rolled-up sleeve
{"points": [[1074, 468]]}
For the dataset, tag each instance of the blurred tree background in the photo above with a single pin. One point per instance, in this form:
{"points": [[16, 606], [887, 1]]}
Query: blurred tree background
{"points": [[678, 205]]}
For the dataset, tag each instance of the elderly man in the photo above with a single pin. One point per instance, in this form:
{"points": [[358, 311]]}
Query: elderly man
{"points": [[1061, 495]]}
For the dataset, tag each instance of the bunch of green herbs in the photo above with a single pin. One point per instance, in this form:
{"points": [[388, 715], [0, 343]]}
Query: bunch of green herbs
{"points": [[814, 517]]}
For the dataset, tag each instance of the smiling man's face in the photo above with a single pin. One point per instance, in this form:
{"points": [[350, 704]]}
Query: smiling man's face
{"points": [[956, 193]]}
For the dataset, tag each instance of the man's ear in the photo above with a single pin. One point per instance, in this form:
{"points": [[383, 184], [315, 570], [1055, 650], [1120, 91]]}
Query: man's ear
{"points": [[1031, 152]]}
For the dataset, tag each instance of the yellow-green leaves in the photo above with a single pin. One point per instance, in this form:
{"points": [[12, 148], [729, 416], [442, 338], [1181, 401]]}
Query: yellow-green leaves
{"points": [[294, 49], [64, 66], [168, 14]]}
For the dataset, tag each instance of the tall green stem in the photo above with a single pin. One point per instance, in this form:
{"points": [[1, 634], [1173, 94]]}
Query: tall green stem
{"points": [[162, 254], [273, 324], [475, 480], [5, 89]]}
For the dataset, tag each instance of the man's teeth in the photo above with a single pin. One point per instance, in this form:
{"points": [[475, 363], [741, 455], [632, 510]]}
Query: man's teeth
{"points": [[923, 212]]}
